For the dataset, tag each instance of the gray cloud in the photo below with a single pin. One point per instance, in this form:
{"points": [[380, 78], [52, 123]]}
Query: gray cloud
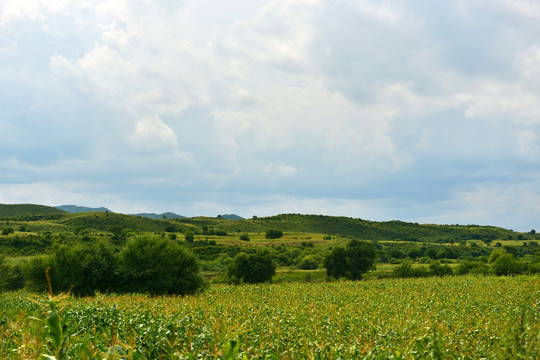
{"points": [[416, 111]]}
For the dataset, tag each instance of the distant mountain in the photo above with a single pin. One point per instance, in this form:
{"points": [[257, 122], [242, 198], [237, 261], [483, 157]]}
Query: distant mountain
{"points": [[78, 209], [167, 215], [25, 209], [232, 217]]}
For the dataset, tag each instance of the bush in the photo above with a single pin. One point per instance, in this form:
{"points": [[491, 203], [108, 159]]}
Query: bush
{"points": [[159, 266], [11, 277], [252, 268], [189, 237], [84, 269], [506, 264], [244, 237], [357, 258], [440, 270], [274, 234], [7, 230], [34, 273], [472, 267], [406, 270], [308, 262]]}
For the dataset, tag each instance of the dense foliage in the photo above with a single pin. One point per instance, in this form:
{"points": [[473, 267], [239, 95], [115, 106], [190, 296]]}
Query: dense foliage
{"points": [[357, 258], [146, 264], [252, 268]]}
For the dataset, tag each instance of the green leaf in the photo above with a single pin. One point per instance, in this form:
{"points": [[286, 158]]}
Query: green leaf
{"points": [[231, 350], [46, 357]]}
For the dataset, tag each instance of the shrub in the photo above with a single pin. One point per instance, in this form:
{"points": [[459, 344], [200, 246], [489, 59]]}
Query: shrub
{"points": [[34, 273], [252, 268], [7, 230], [189, 237], [472, 267], [308, 262], [440, 270], [10, 276], [274, 234], [357, 258], [84, 269], [159, 266], [406, 270], [506, 264], [244, 237]]}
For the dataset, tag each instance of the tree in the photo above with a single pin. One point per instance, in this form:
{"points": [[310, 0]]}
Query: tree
{"points": [[159, 266], [84, 269], [274, 234], [244, 237], [506, 264], [7, 230], [440, 270], [189, 237], [308, 262], [351, 262], [252, 268]]}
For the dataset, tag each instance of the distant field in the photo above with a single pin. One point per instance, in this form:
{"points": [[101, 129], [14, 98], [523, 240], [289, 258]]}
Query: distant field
{"points": [[450, 318]]}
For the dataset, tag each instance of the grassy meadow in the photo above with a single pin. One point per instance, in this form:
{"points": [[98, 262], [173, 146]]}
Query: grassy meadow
{"points": [[451, 318]]}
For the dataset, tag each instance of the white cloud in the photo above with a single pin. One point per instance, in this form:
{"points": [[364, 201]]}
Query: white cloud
{"points": [[152, 134], [398, 103]]}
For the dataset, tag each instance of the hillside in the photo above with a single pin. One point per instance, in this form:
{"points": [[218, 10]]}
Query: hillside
{"points": [[79, 209], [351, 227], [104, 221], [167, 215], [15, 210]]}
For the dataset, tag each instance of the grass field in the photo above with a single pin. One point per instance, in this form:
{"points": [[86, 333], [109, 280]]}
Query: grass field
{"points": [[451, 318]]}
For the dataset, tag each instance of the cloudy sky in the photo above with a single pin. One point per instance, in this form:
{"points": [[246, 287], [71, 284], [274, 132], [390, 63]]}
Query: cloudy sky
{"points": [[425, 111]]}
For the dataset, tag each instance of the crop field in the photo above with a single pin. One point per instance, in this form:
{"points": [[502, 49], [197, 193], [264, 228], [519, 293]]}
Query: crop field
{"points": [[451, 318]]}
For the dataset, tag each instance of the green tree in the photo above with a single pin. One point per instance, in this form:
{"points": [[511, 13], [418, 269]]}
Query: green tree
{"points": [[308, 262], [251, 268], [506, 264], [7, 230], [440, 270], [159, 266], [189, 237], [244, 237], [357, 258], [274, 234], [11, 277], [84, 269]]}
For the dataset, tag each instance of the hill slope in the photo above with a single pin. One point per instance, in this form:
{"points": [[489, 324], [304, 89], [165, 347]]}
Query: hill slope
{"points": [[351, 227], [27, 209], [79, 209], [104, 221], [167, 215]]}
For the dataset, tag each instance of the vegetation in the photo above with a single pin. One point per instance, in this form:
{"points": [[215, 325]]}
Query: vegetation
{"points": [[441, 315], [146, 264], [252, 268], [274, 234], [451, 318], [352, 261], [16, 210]]}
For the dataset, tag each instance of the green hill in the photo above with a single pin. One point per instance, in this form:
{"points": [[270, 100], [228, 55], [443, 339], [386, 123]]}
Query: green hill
{"points": [[351, 227], [16, 210], [104, 221], [78, 209], [167, 215]]}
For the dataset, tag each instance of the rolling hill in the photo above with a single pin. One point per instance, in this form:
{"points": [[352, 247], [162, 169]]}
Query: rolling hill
{"points": [[14, 210], [79, 209], [167, 215]]}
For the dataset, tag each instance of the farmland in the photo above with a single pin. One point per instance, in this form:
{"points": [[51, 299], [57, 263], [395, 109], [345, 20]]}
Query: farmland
{"points": [[451, 318], [428, 291]]}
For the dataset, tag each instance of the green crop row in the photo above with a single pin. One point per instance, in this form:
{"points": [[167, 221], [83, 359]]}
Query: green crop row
{"points": [[451, 318]]}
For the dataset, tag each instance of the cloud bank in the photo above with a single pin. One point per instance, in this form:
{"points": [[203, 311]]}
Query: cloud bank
{"points": [[417, 111]]}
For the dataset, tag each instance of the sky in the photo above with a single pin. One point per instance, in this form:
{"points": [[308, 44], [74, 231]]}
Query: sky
{"points": [[422, 111]]}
